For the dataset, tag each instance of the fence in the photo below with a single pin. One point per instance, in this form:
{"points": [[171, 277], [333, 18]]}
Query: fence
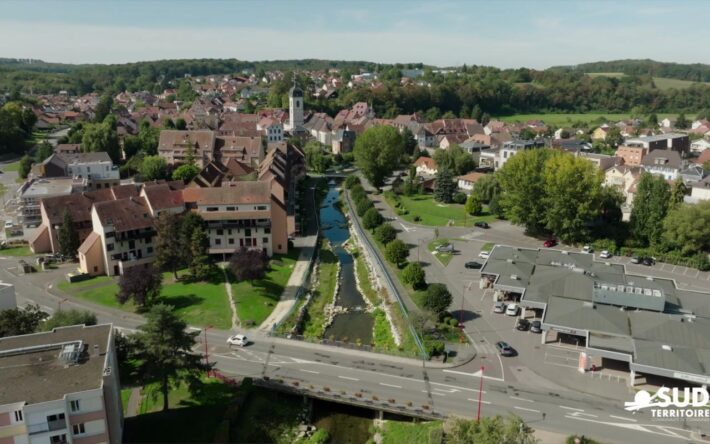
{"points": [[388, 280]]}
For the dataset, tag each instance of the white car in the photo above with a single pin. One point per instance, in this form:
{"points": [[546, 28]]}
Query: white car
{"points": [[512, 310], [238, 340], [9, 224], [484, 254], [604, 254], [587, 249]]}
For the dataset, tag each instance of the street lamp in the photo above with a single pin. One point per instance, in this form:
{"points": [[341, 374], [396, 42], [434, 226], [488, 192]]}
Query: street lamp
{"points": [[59, 304], [207, 355], [480, 394]]}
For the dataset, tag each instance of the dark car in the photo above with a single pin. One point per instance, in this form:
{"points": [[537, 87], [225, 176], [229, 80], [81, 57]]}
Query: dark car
{"points": [[536, 327], [636, 259], [481, 225], [522, 325], [649, 261], [473, 265], [550, 243], [504, 349]]}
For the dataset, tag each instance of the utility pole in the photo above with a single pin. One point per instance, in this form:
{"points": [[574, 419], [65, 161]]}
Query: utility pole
{"points": [[463, 297], [207, 355], [480, 394]]}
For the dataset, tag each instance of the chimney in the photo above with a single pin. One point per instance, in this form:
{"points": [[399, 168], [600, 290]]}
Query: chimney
{"points": [[96, 350]]}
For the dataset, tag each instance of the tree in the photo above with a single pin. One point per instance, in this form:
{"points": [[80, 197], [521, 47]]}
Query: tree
{"points": [[44, 150], [460, 198], [572, 196], [66, 318], [163, 349], [396, 251], [372, 219], [649, 209], [149, 137], [486, 186], [445, 186], [652, 121], [436, 299], [103, 108], [413, 274], [188, 224], [494, 206], [248, 265], [385, 233], [678, 191], [473, 205], [614, 138], [686, 228], [25, 166], [98, 137], [21, 321], [410, 143], [154, 168], [169, 253], [186, 172], [362, 205], [455, 159], [316, 159], [351, 181], [489, 430], [180, 124], [377, 152], [68, 236], [681, 122], [200, 265], [142, 284]]}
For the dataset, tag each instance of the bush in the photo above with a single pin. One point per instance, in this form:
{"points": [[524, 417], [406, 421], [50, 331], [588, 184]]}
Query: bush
{"points": [[435, 348], [362, 205], [351, 181], [416, 218], [396, 252], [460, 198], [372, 219], [453, 322], [437, 298], [357, 192], [413, 274], [385, 234]]}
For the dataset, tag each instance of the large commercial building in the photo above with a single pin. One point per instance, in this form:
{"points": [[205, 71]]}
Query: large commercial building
{"points": [[60, 387], [645, 325]]}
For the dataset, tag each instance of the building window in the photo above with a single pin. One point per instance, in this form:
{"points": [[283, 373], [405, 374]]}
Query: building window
{"points": [[229, 231], [58, 439], [109, 247], [18, 415], [231, 208], [74, 405], [212, 208], [220, 232], [231, 241], [267, 230], [149, 250], [79, 429], [247, 232], [265, 240], [218, 241]]}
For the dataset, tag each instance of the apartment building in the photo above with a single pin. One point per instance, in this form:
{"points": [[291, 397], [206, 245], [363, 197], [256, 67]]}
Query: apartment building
{"points": [[631, 155], [175, 145], [670, 141], [60, 387], [97, 168], [33, 191]]}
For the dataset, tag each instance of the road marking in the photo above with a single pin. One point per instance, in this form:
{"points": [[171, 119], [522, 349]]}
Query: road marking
{"points": [[526, 409], [570, 408], [482, 401], [446, 391], [585, 414], [434, 393], [636, 427], [391, 385], [521, 399], [309, 371], [476, 374], [348, 378], [622, 418]]}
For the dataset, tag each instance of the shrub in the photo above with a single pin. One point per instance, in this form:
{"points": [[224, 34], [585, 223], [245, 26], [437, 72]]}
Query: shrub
{"points": [[396, 252], [416, 218], [357, 192], [435, 348], [372, 219], [385, 233], [437, 298], [453, 322], [460, 198], [351, 181], [413, 274], [362, 205]]}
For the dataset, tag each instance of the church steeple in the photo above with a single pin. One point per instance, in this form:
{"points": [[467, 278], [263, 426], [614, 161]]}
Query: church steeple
{"points": [[295, 106]]}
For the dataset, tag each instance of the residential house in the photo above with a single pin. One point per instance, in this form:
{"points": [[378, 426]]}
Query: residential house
{"points": [[61, 386], [175, 145], [631, 155], [33, 191], [97, 168], [703, 157], [426, 166], [624, 178], [700, 145], [216, 173], [68, 148], [273, 129], [509, 149], [468, 181], [692, 173], [600, 132], [320, 126], [671, 141], [343, 141], [601, 161], [666, 163], [247, 150]]}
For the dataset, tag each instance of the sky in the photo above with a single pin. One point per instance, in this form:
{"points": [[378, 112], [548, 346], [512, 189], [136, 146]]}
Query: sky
{"points": [[504, 33]]}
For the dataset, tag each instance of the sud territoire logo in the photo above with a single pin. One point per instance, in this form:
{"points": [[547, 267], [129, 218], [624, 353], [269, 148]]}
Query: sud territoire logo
{"points": [[670, 397]]}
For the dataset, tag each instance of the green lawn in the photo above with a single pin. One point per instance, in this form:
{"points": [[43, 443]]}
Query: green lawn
{"points": [[255, 301], [433, 213], [125, 396], [314, 321], [16, 251], [395, 432], [562, 119], [382, 334], [14, 166], [444, 258], [488, 246]]}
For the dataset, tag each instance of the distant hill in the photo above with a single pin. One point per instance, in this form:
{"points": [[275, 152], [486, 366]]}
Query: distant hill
{"points": [[695, 72]]}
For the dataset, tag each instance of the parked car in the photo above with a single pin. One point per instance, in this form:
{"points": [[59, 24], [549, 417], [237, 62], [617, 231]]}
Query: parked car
{"points": [[637, 259], [550, 243], [473, 265], [8, 224], [512, 310], [649, 261], [504, 349], [536, 326], [605, 254], [238, 340], [587, 249], [481, 225], [484, 254], [446, 248], [522, 324], [499, 307]]}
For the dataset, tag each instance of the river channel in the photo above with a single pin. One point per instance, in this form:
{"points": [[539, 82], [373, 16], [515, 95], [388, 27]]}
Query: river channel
{"points": [[356, 324]]}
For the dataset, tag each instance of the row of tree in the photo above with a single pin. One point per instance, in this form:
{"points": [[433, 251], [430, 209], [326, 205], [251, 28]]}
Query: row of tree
{"points": [[31, 319], [16, 124]]}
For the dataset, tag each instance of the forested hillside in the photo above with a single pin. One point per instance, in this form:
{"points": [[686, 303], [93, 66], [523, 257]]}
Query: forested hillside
{"points": [[695, 72]]}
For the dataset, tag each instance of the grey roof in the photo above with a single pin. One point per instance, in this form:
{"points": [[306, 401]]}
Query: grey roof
{"points": [[656, 138], [583, 315], [670, 329], [669, 159], [49, 187], [680, 359], [623, 344], [550, 281], [37, 376]]}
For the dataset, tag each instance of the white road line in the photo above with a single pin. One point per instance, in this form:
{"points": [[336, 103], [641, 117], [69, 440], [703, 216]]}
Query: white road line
{"points": [[476, 374], [622, 418], [309, 371], [482, 401], [585, 414], [348, 378], [521, 399], [446, 391], [526, 409], [570, 408], [391, 385], [434, 393]]}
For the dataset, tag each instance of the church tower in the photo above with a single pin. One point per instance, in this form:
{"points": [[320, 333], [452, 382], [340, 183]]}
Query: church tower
{"points": [[295, 107]]}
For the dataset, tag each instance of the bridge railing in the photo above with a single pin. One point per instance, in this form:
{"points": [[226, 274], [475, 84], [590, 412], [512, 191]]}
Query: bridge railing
{"points": [[349, 345]]}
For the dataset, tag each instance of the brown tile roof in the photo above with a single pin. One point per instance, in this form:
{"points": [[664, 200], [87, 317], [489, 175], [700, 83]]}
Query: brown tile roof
{"points": [[162, 196], [125, 214], [240, 193], [471, 177], [426, 161]]}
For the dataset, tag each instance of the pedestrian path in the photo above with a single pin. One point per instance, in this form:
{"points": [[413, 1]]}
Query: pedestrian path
{"points": [[134, 402]]}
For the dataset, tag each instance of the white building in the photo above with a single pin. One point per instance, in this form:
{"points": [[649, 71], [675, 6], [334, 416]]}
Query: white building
{"points": [[698, 146], [295, 108]]}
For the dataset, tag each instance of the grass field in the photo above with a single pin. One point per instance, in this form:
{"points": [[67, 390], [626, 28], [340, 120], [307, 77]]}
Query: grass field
{"points": [[255, 301], [433, 213], [606, 74], [395, 432], [16, 251], [561, 119], [665, 84], [125, 396], [314, 321], [14, 166], [444, 258]]}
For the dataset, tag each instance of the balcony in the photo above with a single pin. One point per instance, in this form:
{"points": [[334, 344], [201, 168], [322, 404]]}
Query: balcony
{"points": [[49, 426]]}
